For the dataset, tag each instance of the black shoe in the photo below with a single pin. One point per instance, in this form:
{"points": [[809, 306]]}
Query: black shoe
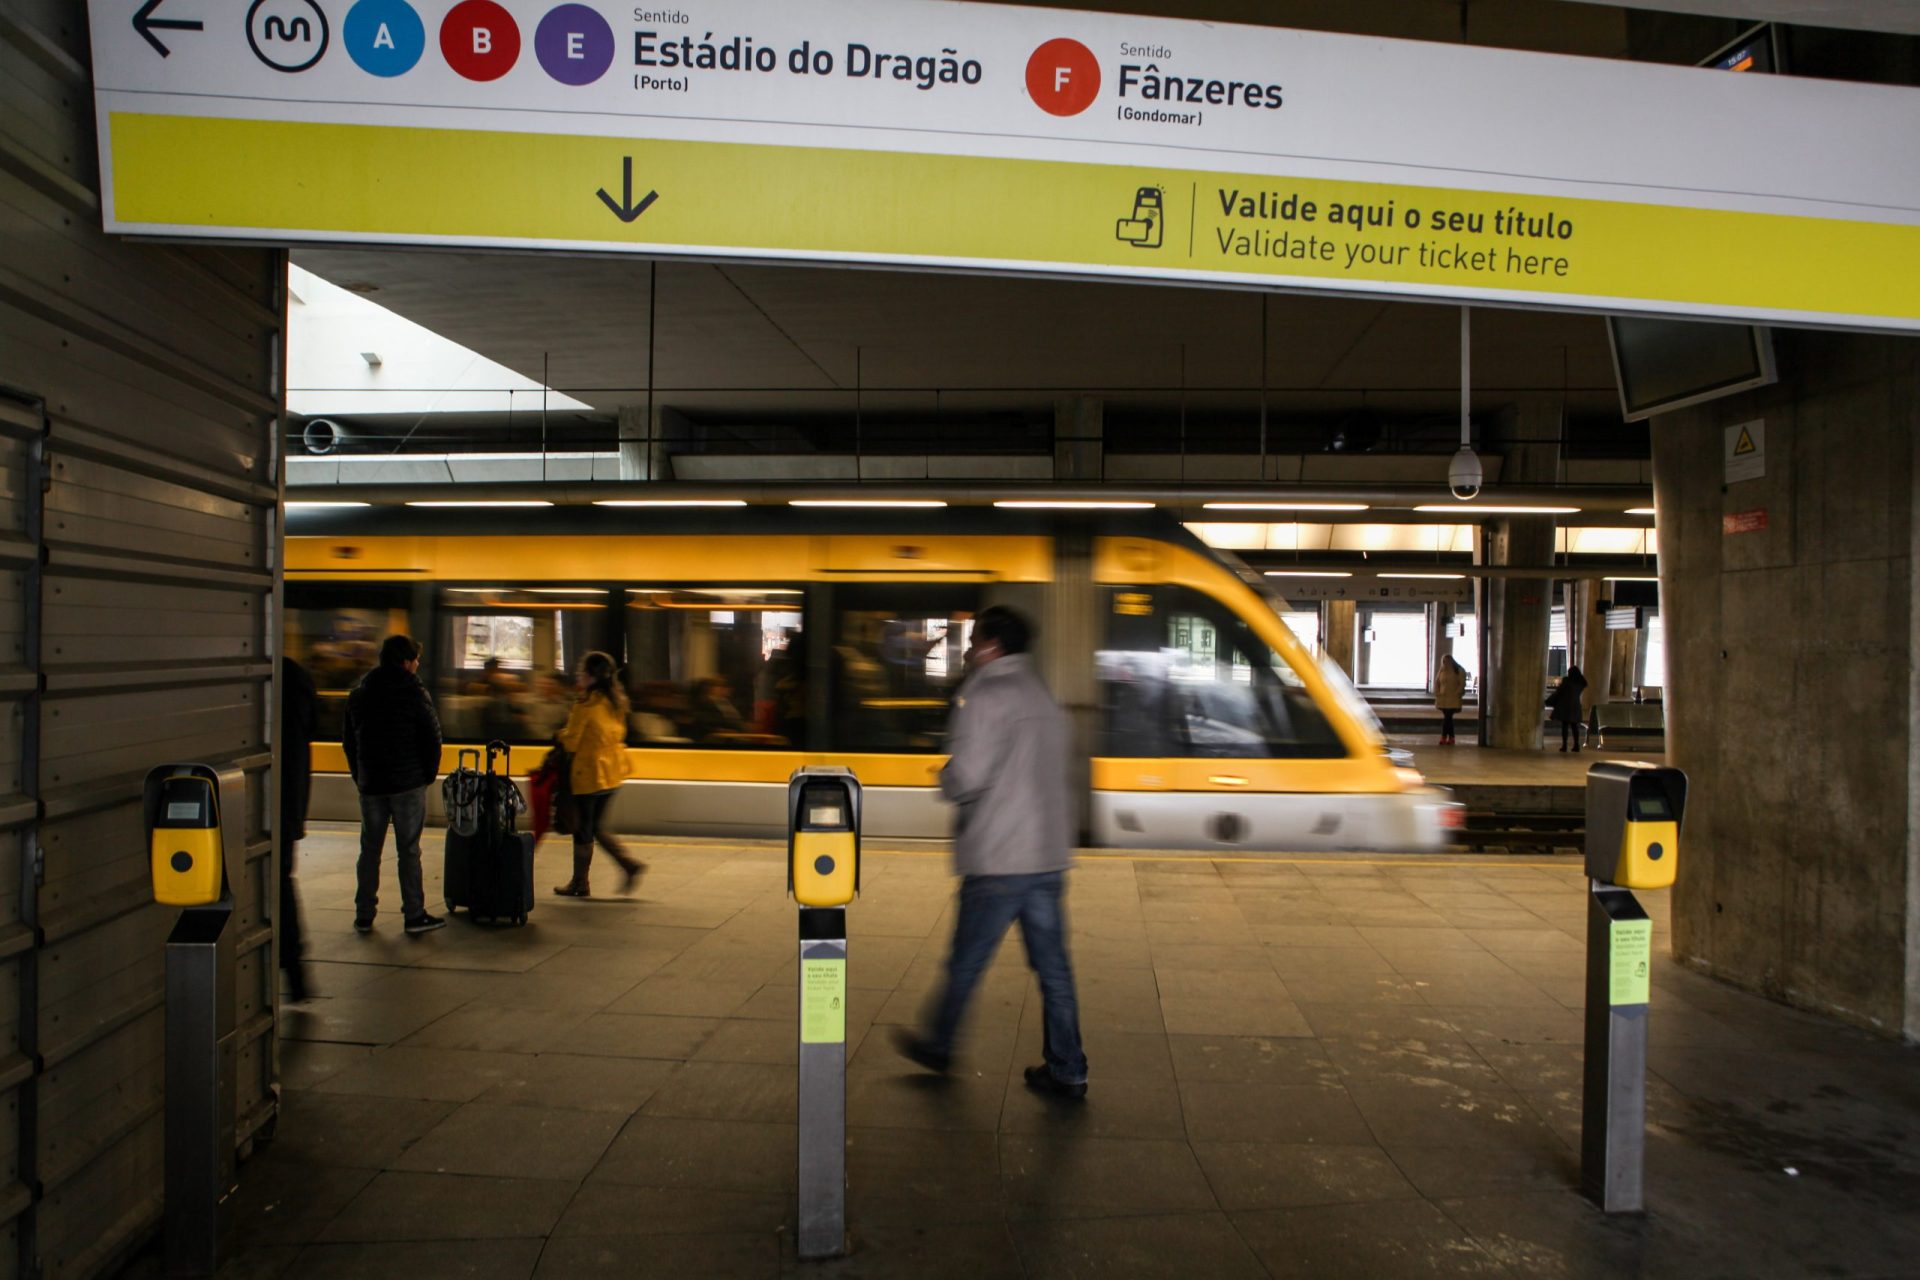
{"points": [[632, 872], [913, 1047], [363, 924], [1041, 1079], [424, 923], [298, 989]]}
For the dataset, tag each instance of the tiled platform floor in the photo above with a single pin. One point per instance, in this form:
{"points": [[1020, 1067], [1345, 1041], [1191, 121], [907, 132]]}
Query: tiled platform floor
{"points": [[1301, 1067], [1468, 764]]}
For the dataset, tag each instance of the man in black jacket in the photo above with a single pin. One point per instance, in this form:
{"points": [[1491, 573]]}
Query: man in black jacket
{"points": [[392, 741]]}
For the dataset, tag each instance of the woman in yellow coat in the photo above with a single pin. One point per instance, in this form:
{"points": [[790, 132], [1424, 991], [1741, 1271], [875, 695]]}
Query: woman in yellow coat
{"points": [[596, 736]]}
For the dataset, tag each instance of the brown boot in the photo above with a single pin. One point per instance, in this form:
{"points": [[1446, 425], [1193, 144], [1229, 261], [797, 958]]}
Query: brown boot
{"points": [[632, 869], [577, 887]]}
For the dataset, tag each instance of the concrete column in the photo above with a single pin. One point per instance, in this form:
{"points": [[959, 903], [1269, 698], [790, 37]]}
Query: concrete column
{"points": [[1521, 609], [1596, 642], [1438, 645], [643, 444], [1079, 439], [1337, 632], [1524, 608], [1625, 670], [1799, 873]]}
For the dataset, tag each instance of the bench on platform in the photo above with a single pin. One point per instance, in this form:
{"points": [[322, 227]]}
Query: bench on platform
{"points": [[1649, 718]]}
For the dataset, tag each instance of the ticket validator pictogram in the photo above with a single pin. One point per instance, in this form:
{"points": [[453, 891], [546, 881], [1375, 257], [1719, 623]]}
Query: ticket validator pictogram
{"points": [[193, 814], [823, 875], [1633, 842]]}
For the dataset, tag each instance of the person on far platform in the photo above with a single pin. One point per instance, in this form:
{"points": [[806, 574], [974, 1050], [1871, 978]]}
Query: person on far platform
{"points": [[1565, 705], [1449, 691]]}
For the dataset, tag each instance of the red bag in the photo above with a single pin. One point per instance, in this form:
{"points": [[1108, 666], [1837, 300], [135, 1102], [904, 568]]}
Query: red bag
{"points": [[550, 789]]}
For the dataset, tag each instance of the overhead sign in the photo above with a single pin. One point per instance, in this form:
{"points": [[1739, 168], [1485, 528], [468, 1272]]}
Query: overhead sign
{"points": [[1746, 451], [1005, 138], [1444, 587]]}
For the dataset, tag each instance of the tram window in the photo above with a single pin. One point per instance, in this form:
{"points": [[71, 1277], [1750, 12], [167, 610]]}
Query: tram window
{"points": [[898, 653], [502, 662], [719, 667], [1182, 676], [334, 630], [505, 638], [1305, 625]]}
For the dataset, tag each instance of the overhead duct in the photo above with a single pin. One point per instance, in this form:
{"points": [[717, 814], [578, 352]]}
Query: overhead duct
{"points": [[324, 436]]}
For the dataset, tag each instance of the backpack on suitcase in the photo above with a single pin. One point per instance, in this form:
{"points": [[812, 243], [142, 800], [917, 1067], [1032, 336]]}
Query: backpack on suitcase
{"points": [[489, 864]]}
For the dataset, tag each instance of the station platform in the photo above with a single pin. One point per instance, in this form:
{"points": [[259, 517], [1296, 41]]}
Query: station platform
{"points": [[1468, 765], [1517, 801], [1301, 1066]]}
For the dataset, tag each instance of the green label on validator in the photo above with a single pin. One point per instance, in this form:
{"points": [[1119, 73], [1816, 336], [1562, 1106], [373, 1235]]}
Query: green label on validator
{"points": [[1632, 953], [823, 1002]]}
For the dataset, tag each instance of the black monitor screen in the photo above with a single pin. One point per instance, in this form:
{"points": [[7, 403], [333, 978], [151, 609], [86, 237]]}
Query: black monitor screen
{"points": [[1667, 364]]}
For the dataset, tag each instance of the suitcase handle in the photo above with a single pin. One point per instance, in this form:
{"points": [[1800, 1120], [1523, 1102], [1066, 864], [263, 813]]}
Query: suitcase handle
{"points": [[500, 749], [460, 760]]}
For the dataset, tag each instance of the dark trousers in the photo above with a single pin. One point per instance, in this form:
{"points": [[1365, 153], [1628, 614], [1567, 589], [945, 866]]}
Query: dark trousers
{"points": [[1446, 722], [589, 828], [988, 905], [407, 812], [293, 948], [1569, 728]]}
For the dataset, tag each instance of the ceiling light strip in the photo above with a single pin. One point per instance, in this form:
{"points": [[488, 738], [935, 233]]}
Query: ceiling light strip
{"points": [[1468, 509], [1286, 506], [1063, 504], [874, 503]]}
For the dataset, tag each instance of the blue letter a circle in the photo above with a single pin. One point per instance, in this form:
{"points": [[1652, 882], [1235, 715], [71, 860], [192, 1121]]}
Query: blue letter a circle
{"points": [[384, 37]]}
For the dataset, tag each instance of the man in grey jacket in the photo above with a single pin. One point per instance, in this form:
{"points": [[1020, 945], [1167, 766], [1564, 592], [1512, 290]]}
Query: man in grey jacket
{"points": [[1012, 843]]}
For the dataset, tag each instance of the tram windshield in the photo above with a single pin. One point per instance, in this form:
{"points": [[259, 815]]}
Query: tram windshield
{"points": [[1181, 675]]}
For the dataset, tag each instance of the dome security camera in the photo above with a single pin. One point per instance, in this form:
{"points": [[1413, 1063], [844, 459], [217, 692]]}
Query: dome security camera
{"points": [[1464, 475]]}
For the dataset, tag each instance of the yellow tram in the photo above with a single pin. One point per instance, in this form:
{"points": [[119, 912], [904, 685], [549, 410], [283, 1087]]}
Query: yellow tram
{"points": [[753, 641]]}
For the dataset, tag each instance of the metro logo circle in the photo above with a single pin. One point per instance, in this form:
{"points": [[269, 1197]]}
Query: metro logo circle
{"points": [[480, 40], [1063, 77]]}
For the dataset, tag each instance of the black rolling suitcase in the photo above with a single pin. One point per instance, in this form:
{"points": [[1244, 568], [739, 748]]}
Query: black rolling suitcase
{"points": [[489, 864]]}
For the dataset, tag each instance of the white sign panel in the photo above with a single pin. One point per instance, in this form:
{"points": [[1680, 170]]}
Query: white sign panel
{"points": [[1009, 138], [1746, 451]]}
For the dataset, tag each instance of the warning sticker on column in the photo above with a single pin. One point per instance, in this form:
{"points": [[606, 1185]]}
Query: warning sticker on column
{"points": [[823, 1001], [1632, 953]]}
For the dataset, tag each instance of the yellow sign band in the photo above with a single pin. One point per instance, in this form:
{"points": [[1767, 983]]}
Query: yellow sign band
{"points": [[309, 180]]}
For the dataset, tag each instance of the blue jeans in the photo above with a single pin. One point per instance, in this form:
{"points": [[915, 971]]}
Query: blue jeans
{"points": [[988, 905], [407, 811]]}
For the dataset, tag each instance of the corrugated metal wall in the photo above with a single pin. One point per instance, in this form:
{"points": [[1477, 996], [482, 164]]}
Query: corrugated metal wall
{"points": [[138, 522]]}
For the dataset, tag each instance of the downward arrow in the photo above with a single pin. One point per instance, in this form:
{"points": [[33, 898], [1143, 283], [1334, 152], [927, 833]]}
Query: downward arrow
{"points": [[146, 24], [624, 208]]}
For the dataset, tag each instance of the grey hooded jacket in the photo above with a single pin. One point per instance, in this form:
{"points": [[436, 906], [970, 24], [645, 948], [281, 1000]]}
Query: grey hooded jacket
{"points": [[1009, 773]]}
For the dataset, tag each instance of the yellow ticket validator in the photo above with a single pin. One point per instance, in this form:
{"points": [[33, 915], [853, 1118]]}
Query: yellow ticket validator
{"points": [[823, 836], [1633, 824], [185, 843]]}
